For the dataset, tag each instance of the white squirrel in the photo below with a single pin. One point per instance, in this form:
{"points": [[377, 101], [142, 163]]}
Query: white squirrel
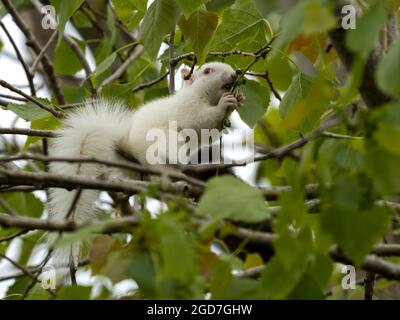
{"points": [[97, 128]]}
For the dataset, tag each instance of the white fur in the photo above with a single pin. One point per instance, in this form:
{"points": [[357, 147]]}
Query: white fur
{"points": [[98, 127]]}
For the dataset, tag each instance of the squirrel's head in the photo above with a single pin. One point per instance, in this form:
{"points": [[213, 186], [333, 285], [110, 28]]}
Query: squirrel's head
{"points": [[212, 79]]}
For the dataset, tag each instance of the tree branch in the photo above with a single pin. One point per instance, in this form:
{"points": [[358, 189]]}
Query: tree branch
{"points": [[371, 263], [31, 41], [150, 83], [55, 113], [42, 180], [278, 153], [123, 165], [29, 132], [110, 226], [28, 73], [136, 53], [171, 86], [370, 92], [265, 75], [191, 55]]}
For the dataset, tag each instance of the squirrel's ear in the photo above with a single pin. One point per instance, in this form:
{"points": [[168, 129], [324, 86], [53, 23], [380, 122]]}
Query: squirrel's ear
{"points": [[185, 72]]}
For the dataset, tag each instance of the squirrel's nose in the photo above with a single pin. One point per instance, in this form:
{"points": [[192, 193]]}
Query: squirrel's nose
{"points": [[234, 76]]}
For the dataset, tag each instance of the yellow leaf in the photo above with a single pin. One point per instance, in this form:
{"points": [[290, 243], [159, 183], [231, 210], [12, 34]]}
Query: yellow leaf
{"points": [[253, 260]]}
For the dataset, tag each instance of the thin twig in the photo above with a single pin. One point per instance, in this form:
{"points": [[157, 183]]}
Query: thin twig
{"points": [[14, 235], [265, 75], [9, 97], [278, 153], [107, 227], [71, 210], [42, 179], [28, 132], [333, 135], [81, 57], [369, 283], [18, 266], [191, 55], [8, 209], [28, 73], [32, 42], [370, 263], [74, 47], [135, 54], [171, 86], [31, 99], [39, 57], [150, 83], [123, 165]]}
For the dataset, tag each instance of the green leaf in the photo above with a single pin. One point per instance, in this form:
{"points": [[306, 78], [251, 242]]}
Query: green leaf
{"points": [[387, 181], [199, 29], [48, 123], [130, 12], [243, 289], [74, 94], [321, 269], [266, 7], [74, 293], [188, 7], [141, 269], [24, 203], [65, 10], [348, 217], [30, 111], [317, 19], [17, 4], [228, 197], [256, 103], [218, 5], [296, 92], [80, 20], [387, 119], [104, 65], [15, 291], [384, 149], [389, 137], [220, 279], [106, 45], [388, 73], [291, 27], [102, 246], [66, 62], [38, 293], [364, 37], [280, 73], [172, 235], [160, 19], [242, 27], [81, 235], [155, 93], [277, 281], [307, 289]]}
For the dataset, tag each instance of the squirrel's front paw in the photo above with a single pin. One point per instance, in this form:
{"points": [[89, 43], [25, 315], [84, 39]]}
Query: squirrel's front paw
{"points": [[228, 101], [240, 98]]}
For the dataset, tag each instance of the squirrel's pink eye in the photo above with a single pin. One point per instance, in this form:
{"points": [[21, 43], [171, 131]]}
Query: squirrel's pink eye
{"points": [[208, 70]]}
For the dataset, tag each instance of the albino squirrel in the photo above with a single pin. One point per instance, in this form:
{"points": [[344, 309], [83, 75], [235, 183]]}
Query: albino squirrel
{"points": [[96, 129]]}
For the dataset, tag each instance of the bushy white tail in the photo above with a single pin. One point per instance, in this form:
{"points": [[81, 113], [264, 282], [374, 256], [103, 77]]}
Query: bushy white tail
{"points": [[90, 131]]}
